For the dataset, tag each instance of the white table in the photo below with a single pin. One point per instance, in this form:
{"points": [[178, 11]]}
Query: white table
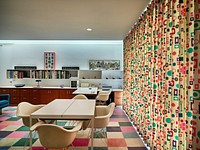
{"points": [[86, 90], [66, 109]]}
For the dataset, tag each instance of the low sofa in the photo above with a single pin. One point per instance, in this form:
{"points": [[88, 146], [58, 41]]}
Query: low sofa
{"points": [[4, 101]]}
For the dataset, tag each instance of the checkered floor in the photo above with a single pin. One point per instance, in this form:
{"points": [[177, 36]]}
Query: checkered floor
{"points": [[120, 134]]}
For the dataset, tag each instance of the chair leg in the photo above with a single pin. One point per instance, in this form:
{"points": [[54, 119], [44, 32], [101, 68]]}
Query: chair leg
{"points": [[28, 138]]}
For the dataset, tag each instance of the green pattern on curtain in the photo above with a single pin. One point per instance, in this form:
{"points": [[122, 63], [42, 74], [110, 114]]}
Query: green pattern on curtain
{"points": [[162, 75]]}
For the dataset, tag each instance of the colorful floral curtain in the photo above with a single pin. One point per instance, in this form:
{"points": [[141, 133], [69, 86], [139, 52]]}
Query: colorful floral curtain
{"points": [[162, 75]]}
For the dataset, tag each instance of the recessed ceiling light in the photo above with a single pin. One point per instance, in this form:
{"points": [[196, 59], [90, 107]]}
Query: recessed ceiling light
{"points": [[89, 29]]}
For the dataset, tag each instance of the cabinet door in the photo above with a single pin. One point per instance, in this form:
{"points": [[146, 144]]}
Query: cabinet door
{"points": [[66, 93], [63, 93], [118, 96], [35, 96], [48, 95], [15, 96], [55, 94], [25, 95]]}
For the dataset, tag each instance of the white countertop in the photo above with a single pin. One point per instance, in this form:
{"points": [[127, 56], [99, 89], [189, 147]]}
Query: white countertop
{"points": [[56, 87], [41, 87], [86, 90]]}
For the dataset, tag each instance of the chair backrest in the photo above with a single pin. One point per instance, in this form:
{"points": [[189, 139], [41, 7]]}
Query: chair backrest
{"points": [[24, 110], [103, 95], [54, 136], [80, 96], [102, 116]]}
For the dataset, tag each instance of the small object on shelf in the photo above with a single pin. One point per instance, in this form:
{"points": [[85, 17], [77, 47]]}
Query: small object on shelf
{"points": [[19, 85], [62, 85], [70, 68], [38, 82]]}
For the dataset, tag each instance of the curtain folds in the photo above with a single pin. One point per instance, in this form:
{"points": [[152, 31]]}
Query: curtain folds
{"points": [[162, 75]]}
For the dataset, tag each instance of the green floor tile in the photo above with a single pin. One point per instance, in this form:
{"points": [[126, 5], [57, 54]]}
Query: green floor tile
{"points": [[24, 141], [120, 116], [125, 124], [13, 119], [130, 135], [9, 109], [99, 135], [61, 123], [23, 128]]}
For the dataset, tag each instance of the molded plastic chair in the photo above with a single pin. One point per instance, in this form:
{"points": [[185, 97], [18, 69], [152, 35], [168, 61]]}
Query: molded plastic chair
{"points": [[71, 123], [24, 110], [102, 117], [102, 97], [80, 96], [56, 137]]}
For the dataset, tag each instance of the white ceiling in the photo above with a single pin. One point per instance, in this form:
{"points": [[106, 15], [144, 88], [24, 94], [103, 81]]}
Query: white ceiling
{"points": [[68, 19]]}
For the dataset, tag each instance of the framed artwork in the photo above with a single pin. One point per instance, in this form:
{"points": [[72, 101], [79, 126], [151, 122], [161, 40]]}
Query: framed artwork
{"points": [[49, 60], [104, 64]]}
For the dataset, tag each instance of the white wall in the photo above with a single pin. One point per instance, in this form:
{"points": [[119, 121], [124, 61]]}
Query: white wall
{"points": [[75, 54]]}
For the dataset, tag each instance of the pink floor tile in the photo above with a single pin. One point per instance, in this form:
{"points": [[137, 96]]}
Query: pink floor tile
{"points": [[2, 126], [37, 148], [4, 118], [81, 142], [127, 129], [116, 142], [7, 123], [8, 112], [18, 123], [119, 120], [18, 134], [118, 113]]}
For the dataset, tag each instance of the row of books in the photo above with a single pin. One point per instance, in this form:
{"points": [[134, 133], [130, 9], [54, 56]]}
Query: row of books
{"points": [[18, 74], [41, 74]]}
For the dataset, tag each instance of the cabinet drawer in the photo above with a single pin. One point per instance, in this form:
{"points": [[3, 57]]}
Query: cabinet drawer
{"points": [[4, 91], [15, 92], [25, 99], [15, 100]]}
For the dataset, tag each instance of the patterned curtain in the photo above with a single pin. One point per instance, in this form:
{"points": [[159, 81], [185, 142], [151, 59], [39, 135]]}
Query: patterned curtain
{"points": [[162, 75]]}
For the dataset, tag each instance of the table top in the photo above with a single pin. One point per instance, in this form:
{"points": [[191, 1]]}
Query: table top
{"points": [[86, 90], [80, 109], [66, 108]]}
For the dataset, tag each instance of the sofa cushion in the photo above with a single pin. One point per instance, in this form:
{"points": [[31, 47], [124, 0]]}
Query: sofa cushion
{"points": [[3, 103]]}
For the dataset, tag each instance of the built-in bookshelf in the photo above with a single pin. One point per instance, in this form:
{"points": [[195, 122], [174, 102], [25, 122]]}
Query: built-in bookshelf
{"points": [[41, 74], [53, 74], [99, 78]]}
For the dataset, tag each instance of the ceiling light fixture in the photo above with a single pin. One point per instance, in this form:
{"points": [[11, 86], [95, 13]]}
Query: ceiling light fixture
{"points": [[89, 29]]}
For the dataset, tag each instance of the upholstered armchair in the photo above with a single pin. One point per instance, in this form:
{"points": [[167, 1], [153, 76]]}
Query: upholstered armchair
{"points": [[4, 101]]}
